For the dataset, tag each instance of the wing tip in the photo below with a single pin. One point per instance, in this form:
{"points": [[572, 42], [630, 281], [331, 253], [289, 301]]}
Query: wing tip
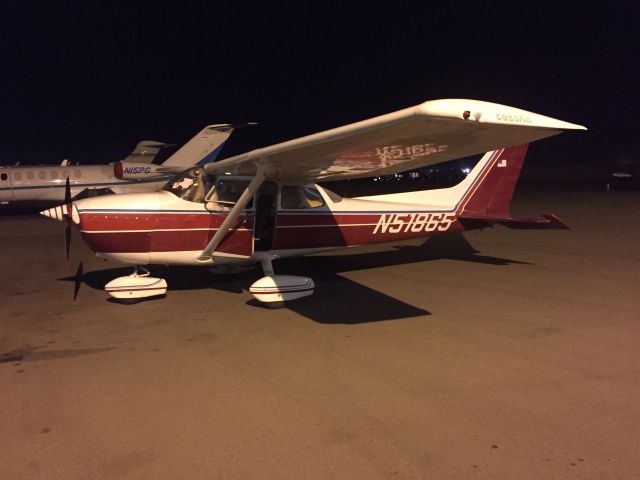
{"points": [[481, 112]]}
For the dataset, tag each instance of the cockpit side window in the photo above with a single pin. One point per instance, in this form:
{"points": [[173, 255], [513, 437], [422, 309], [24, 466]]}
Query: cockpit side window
{"points": [[191, 185], [227, 192], [295, 198]]}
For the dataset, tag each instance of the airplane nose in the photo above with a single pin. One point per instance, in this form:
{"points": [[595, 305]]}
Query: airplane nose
{"points": [[60, 212], [55, 213]]}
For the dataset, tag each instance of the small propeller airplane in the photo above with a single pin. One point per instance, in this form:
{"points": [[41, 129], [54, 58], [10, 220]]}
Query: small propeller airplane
{"points": [[266, 204], [135, 173]]}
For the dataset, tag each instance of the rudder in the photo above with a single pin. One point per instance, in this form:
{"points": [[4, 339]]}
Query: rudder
{"points": [[493, 191]]}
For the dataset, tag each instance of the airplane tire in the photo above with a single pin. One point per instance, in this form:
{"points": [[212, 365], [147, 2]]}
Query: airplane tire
{"points": [[273, 305]]}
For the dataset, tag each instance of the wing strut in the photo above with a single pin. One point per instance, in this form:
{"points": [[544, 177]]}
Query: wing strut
{"points": [[207, 254]]}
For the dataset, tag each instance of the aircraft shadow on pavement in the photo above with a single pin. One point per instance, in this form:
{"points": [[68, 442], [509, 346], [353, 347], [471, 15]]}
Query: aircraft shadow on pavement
{"points": [[336, 299], [340, 300], [449, 246]]}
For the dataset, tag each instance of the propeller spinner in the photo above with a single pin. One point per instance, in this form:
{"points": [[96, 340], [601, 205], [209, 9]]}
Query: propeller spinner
{"points": [[65, 213]]}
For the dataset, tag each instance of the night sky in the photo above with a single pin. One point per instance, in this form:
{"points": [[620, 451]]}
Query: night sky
{"points": [[87, 81]]}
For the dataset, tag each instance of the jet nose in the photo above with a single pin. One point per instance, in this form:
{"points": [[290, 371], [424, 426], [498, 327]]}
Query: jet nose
{"points": [[55, 213]]}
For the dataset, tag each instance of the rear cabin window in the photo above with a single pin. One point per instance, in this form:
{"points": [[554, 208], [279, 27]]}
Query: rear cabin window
{"points": [[42, 175], [297, 198], [3, 176], [54, 174], [18, 176], [30, 175]]}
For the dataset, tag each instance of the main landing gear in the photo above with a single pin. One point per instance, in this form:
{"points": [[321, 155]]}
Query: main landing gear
{"points": [[273, 290], [138, 285]]}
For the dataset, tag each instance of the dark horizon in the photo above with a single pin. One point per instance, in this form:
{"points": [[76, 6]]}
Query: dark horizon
{"points": [[88, 82]]}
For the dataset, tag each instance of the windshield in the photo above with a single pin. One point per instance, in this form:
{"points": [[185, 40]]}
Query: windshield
{"points": [[191, 185]]}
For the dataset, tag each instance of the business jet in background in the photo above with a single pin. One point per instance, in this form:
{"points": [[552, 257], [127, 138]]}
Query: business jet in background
{"points": [[135, 173]]}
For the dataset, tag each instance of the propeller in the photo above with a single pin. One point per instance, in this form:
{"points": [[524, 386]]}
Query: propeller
{"points": [[63, 213], [67, 219]]}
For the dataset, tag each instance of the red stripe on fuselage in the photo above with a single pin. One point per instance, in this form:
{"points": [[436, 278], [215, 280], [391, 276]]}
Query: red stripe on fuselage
{"points": [[237, 242], [125, 232], [108, 222], [345, 235]]}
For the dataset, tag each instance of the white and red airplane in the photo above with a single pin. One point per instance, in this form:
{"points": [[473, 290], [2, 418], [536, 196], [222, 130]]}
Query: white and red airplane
{"points": [[135, 173], [264, 204]]}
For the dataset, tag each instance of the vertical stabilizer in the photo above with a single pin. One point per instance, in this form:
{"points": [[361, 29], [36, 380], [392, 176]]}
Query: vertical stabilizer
{"points": [[493, 189], [202, 148]]}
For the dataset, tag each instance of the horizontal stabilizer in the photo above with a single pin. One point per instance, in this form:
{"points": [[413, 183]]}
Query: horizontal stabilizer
{"points": [[543, 222]]}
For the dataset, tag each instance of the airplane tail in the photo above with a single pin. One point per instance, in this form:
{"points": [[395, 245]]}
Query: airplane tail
{"points": [[145, 151], [202, 148], [483, 198], [493, 189], [488, 197]]}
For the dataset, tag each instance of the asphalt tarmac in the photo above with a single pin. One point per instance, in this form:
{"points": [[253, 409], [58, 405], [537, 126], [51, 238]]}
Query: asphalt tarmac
{"points": [[508, 355]]}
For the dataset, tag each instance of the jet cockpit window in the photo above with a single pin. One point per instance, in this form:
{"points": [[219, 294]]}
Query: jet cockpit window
{"points": [[227, 192], [295, 198], [191, 185]]}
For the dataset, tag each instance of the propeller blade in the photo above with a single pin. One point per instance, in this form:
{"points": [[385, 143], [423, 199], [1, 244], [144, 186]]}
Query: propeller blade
{"points": [[67, 237], [67, 192], [67, 219], [77, 281]]}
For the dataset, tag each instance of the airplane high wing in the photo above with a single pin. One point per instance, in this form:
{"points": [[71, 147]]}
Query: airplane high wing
{"points": [[432, 132]]}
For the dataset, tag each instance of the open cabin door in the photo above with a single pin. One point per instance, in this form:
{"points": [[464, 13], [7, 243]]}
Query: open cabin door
{"points": [[188, 224], [255, 227], [238, 242], [265, 217]]}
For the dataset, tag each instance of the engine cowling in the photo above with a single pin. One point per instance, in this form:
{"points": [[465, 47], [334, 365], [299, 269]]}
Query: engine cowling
{"points": [[136, 171]]}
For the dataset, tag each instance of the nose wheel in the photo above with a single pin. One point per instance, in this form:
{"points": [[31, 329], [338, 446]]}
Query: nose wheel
{"points": [[140, 284]]}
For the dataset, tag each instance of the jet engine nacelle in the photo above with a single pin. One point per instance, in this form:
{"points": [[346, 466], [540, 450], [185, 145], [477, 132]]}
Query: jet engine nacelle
{"points": [[137, 171]]}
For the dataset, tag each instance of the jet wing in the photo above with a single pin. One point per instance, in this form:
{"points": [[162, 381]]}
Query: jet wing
{"points": [[432, 132]]}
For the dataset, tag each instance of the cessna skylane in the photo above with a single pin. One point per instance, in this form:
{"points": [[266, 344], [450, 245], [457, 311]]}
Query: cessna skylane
{"points": [[265, 204], [136, 173]]}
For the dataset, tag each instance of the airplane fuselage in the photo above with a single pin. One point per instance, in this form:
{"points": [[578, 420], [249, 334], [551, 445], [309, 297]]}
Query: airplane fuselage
{"points": [[47, 182], [160, 228]]}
